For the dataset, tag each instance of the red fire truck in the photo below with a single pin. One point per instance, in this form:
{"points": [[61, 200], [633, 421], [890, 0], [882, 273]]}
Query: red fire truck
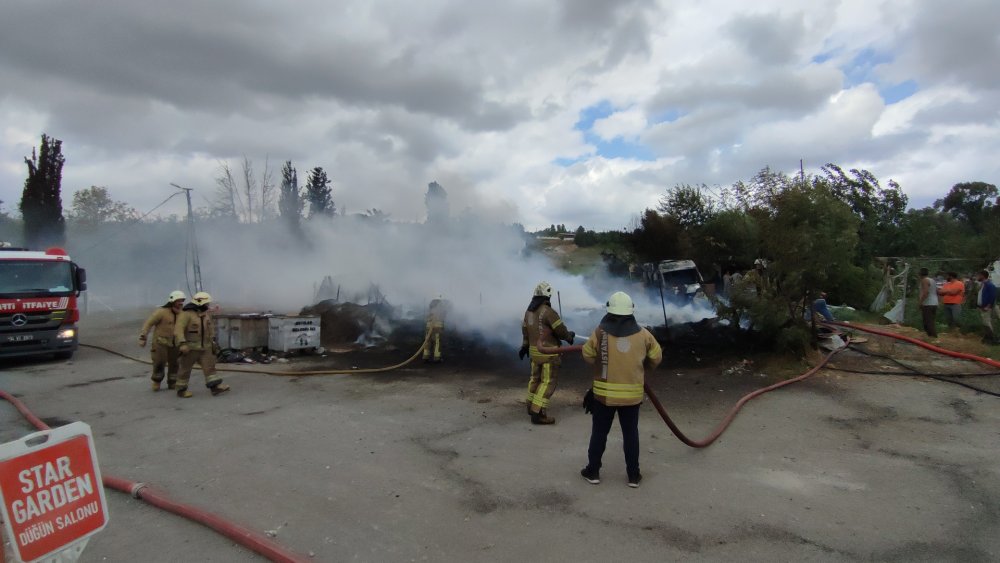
{"points": [[38, 302]]}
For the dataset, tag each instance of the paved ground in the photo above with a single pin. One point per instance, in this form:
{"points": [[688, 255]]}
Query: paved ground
{"points": [[440, 464]]}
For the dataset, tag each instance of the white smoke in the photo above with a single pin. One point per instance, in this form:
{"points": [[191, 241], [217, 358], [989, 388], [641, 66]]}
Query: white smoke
{"points": [[481, 267]]}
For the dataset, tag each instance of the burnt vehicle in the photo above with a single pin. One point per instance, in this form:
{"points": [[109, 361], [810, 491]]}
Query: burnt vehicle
{"points": [[680, 280]]}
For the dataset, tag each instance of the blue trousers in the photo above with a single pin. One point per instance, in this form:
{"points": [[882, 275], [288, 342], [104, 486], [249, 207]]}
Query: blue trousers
{"points": [[603, 418]]}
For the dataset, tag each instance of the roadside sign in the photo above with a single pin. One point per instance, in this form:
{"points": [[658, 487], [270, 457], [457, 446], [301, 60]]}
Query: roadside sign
{"points": [[51, 491]]}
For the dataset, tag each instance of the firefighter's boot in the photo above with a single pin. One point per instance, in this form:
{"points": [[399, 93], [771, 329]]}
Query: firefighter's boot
{"points": [[541, 417], [156, 386], [219, 389], [183, 393]]}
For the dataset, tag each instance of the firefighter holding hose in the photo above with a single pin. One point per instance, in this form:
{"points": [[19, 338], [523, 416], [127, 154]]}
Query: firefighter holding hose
{"points": [[542, 329], [622, 352], [436, 313], [163, 353], [195, 334]]}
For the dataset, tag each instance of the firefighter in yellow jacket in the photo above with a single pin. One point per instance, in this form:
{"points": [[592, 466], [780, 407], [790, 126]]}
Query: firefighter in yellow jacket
{"points": [[622, 352], [195, 335], [436, 314], [543, 328], [163, 352]]}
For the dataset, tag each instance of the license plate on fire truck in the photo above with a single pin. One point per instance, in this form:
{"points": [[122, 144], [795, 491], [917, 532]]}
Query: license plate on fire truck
{"points": [[20, 337]]}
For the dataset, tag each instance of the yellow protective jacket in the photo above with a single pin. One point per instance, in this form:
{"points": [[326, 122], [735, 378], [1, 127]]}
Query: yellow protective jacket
{"points": [[542, 327], [436, 313], [162, 321], [195, 328], [621, 363]]}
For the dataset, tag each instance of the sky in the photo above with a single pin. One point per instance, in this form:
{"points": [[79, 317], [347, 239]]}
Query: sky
{"points": [[575, 112]]}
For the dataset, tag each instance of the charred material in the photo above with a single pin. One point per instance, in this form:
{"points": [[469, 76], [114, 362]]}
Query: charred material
{"points": [[705, 342]]}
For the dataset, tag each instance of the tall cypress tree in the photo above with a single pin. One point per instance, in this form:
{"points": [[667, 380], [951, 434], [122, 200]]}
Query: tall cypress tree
{"points": [[290, 200], [319, 194], [41, 202]]}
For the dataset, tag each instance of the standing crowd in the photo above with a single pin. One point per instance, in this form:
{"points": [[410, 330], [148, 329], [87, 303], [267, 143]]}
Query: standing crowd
{"points": [[950, 294]]}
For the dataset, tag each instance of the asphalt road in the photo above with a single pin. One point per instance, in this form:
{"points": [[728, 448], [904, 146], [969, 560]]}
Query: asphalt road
{"points": [[439, 463]]}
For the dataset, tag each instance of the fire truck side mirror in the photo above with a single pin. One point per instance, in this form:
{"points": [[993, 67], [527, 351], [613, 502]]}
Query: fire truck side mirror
{"points": [[81, 279]]}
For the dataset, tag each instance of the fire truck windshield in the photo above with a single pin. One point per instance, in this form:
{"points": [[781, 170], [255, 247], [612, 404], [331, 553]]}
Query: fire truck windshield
{"points": [[35, 277]]}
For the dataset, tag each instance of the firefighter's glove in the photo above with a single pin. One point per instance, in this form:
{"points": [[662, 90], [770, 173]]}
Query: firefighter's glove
{"points": [[184, 349], [571, 337], [142, 341], [588, 401], [216, 348], [522, 352]]}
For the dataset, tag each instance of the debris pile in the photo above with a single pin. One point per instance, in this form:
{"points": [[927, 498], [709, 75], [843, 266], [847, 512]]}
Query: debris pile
{"points": [[350, 323]]}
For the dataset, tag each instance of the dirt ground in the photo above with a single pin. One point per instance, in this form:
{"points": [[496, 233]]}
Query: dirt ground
{"points": [[440, 463]]}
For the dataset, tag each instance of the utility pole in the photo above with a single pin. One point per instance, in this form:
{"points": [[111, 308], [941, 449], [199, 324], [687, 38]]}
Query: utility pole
{"points": [[192, 245]]}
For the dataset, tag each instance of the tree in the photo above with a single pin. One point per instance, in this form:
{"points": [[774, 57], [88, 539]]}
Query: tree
{"points": [[809, 237], [241, 196], [730, 238], [93, 206], [971, 202], [319, 195], [436, 200], [41, 201], [880, 210], [688, 205], [659, 237], [290, 202]]}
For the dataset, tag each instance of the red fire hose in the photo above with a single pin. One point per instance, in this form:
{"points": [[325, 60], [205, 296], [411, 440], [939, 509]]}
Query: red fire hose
{"points": [[918, 342], [244, 536], [729, 417], [732, 413]]}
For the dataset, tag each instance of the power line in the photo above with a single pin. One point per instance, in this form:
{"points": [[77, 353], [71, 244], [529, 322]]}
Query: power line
{"points": [[129, 224]]}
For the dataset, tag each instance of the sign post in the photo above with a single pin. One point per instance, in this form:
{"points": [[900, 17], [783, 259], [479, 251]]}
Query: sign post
{"points": [[51, 493]]}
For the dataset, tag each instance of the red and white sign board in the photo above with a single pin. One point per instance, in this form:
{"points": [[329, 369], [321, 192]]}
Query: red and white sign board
{"points": [[51, 491]]}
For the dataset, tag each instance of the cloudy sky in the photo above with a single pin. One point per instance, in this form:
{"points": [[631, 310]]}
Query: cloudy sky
{"points": [[567, 111]]}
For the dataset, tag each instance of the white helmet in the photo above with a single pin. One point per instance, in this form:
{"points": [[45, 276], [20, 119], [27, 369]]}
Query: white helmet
{"points": [[620, 304], [543, 289], [176, 296], [201, 298]]}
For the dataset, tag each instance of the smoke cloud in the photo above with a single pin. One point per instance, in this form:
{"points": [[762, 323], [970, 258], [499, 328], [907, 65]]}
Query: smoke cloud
{"points": [[481, 266]]}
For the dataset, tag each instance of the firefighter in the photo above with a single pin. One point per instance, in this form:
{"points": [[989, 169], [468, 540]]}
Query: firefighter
{"points": [[436, 313], [163, 352], [195, 336], [542, 327], [622, 352]]}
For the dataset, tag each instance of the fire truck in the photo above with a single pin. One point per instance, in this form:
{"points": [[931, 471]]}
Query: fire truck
{"points": [[38, 302]]}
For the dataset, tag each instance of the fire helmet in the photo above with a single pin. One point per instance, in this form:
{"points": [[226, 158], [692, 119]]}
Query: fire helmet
{"points": [[201, 298], [176, 296], [620, 304], [543, 289]]}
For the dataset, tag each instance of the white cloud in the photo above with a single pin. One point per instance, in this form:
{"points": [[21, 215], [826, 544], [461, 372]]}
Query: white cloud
{"points": [[626, 124], [483, 98]]}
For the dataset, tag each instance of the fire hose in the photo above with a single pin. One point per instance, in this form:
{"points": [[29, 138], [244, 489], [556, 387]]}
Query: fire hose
{"points": [[405, 362], [918, 342], [242, 535], [729, 417]]}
